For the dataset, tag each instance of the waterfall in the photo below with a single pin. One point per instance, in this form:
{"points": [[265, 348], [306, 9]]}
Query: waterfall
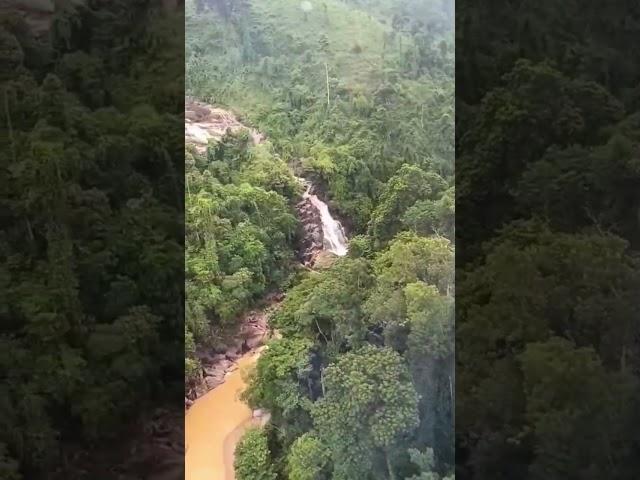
{"points": [[333, 237]]}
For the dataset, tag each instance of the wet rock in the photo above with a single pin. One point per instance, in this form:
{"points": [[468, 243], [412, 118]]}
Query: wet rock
{"points": [[310, 232], [215, 380], [212, 370], [200, 390]]}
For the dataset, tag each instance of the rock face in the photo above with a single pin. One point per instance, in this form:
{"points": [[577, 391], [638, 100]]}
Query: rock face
{"points": [[312, 246], [311, 234], [203, 123], [252, 334]]}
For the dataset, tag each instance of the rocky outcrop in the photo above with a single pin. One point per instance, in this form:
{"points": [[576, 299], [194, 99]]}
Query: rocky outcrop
{"points": [[204, 123], [252, 334], [313, 247], [311, 231]]}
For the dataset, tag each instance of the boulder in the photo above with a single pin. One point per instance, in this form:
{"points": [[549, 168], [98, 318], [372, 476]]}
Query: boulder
{"points": [[212, 370], [200, 390], [213, 382], [232, 356], [316, 237]]}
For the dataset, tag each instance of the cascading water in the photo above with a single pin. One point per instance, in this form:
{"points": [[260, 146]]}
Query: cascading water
{"points": [[334, 239]]}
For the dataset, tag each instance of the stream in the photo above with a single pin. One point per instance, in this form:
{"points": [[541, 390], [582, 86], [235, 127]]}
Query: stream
{"points": [[214, 424], [216, 421]]}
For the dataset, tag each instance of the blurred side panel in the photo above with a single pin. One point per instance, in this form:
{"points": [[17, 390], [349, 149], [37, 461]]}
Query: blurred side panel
{"points": [[548, 236], [91, 241]]}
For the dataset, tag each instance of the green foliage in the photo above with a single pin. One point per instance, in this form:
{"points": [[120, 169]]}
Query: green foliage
{"points": [[369, 404], [253, 458], [307, 459], [425, 461], [430, 318], [360, 246], [92, 239], [353, 115], [410, 188], [363, 107], [9, 468], [410, 258], [416, 318], [545, 348], [428, 217], [282, 383], [240, 233], [576, 409]]}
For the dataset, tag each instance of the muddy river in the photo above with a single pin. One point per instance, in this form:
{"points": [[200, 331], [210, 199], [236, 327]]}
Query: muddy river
{"points": [[214, 424]]}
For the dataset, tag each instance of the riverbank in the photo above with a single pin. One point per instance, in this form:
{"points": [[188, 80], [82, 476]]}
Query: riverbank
{"points": [[252, 333], [215, 424]]}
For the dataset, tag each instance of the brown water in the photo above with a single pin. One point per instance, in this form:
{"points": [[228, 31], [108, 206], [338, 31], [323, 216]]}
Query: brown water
{"points": [[213, 426]]}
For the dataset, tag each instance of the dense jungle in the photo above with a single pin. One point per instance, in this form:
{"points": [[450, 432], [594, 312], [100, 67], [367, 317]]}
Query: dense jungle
{"points": [[548, 182], [91, 238], [324, 116]]}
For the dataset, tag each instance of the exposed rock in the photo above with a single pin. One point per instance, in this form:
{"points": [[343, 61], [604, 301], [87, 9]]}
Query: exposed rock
{"points": [[211, 370], [251, 335], [199, 390], [233, 356], [311, 231], [213, 382], [204, 123], [324, 259]]}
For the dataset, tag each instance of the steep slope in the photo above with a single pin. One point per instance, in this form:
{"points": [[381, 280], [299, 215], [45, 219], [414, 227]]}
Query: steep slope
{"points": [[216, 421], [356, 96]]}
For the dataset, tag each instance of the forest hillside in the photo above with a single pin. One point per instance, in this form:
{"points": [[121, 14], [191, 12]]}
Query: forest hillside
{"points": [[357, 98]]}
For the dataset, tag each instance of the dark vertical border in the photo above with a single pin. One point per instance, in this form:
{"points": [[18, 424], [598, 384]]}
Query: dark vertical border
{"points": [[548, 197], [91, 243]]}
